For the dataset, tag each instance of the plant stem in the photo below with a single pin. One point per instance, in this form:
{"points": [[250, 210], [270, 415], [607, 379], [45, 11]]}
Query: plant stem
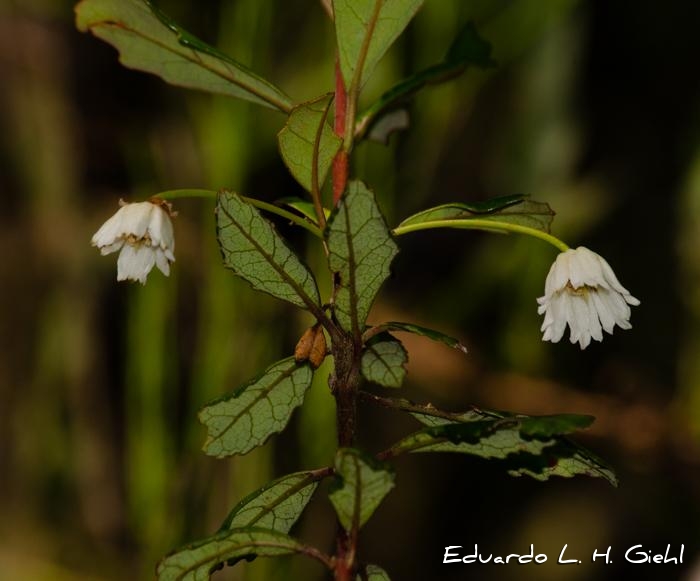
{"points": [[211, 194], [315, 187], [481, 224], [344, 383], [340, 162]]}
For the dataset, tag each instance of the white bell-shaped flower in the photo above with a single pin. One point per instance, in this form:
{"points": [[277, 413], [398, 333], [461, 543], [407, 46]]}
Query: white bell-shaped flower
{"points": [[582, 291], [143, 231]]}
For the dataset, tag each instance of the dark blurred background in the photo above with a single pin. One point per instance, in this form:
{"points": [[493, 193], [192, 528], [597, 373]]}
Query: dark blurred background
{"points": [[594, 108]]}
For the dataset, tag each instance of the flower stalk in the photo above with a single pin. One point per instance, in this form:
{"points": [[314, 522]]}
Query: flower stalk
{"points": [[481, 224]]}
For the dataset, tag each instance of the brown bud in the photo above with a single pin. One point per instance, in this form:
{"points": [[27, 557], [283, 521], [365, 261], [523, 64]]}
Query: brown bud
{"points": [[318, 349], [311, 347]]}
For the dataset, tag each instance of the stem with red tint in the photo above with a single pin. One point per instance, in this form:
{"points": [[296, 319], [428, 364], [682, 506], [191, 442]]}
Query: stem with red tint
{"points": [[340, 163]]}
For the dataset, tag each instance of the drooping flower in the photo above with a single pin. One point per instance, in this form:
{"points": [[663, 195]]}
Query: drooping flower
{"points": [[582, 291], [143, 231]]}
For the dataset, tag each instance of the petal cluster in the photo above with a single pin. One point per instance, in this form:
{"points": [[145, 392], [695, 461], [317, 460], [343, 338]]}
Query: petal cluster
{"points": [[143, 231], [583, 292]]}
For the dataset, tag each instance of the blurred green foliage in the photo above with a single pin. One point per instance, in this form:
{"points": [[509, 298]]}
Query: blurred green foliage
{"points": [[593, 108]]}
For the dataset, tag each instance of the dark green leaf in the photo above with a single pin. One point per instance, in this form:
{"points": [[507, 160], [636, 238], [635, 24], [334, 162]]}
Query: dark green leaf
{"points": [[239, 422], [468, 49], [365, 30], [555, 425], [373, 573], [532, 445], [251, 247], [276, 506], [566, 459], [197, 561], [529, 426], [516, 209], [148, 40], [465, 209], [360, 486], [360, 251], [424, 332], [384, 361], [298, 137]]}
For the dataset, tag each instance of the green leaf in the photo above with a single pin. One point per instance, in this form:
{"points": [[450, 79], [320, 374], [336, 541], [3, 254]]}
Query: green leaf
{"points": [[360, 251], [365, 30], [277, 505], [303, 207], [297, 140], [373, 573], [516, 209], [360, 486], [384, 361], [149, 41], [565, 459], [535, 446], [251, 247], [239, 422], [197, 561], [468, 49], [424, 332]]}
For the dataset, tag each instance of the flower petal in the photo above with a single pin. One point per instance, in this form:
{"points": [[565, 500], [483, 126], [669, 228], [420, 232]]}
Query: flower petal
{"points": [[135, 262], [143, 231], [162, 261], [582, 291]]}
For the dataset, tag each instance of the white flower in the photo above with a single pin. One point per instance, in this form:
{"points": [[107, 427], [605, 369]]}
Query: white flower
{"points": [[144, 233], [583, 291]]}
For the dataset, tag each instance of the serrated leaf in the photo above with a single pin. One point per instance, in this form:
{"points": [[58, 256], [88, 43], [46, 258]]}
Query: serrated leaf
{"points": [[565, 459], [297, 140], [517, 209], [531, 445], [197, 561], [252, 248], [149, 41], [365, 29], [468, 49], [373, 573], [424, 332], [360, 486], [384, 361], [239, 422], [360, 251], [275, 506]]}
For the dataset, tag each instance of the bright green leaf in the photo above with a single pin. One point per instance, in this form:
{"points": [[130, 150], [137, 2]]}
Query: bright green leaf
{"points": [[304, 208], [365, 30], [297, 140], [149, 41], [360, 486], [254, 251], [468, 49], [424, 332], [197, 561], [516, 209], [277, 505], [373, 573], [384, 361], [360, 251], [527, 445], [237, 423]]}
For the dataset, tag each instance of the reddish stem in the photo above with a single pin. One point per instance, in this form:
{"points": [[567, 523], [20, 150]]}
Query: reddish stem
{"points": [[340, 163], [344, 382]]}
